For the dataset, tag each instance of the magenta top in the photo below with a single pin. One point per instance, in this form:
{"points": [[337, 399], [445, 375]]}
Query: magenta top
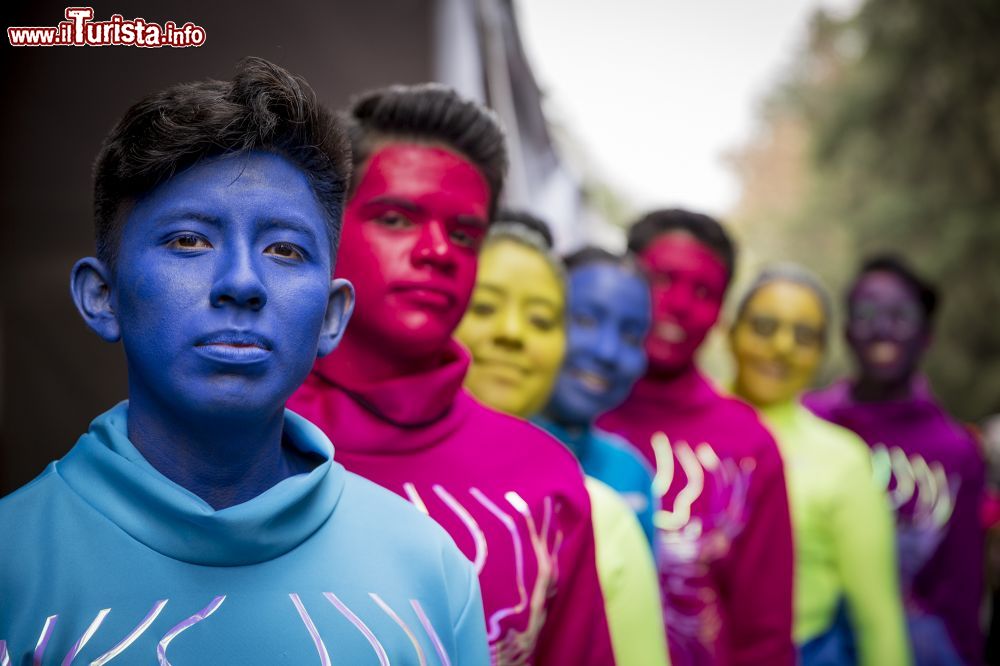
{"points": [[947, 581], [723, 529], [512, 498]]}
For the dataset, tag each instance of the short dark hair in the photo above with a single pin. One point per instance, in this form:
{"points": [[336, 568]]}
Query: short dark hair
{"points": [[707, 230], [927, 293], [430, 113], [591, 254], [264, 107], [528, 221]]}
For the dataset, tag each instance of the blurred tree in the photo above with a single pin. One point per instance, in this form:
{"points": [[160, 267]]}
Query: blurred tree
{"points": [[886, 136]]}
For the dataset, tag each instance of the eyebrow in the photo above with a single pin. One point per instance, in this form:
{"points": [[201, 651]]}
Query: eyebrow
{"points": [[188, 215], [406, 204]]}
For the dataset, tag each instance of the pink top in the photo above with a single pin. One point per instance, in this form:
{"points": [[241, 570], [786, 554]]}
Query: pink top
{"points": [[724, 534], [511, 496]]}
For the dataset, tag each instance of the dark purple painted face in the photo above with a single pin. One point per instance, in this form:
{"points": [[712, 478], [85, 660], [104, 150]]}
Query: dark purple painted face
{"points": [[886, 327]]}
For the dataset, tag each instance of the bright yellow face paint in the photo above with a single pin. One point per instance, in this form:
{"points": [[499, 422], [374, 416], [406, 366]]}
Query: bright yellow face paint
{"points": [[514, 329], [778, 343]]}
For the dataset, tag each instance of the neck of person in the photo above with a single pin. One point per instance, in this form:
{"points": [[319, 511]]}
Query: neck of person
{"points": [[362, 359], [223, 460], [869, 389], [670, 374]]}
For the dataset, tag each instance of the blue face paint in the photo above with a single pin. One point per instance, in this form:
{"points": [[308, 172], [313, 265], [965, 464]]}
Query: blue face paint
{"points": [[222, 298], [608, 315]]}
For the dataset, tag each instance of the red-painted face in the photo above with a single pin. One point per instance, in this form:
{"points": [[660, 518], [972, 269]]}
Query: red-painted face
{"points": [[409, 244], [688, 281]]}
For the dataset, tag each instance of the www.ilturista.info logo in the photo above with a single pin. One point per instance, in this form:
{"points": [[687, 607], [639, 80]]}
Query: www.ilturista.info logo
{"points": [[79, 29]]}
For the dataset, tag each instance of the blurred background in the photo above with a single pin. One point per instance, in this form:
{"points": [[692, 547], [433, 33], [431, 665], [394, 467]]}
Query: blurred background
{"points": [[818, 130]]}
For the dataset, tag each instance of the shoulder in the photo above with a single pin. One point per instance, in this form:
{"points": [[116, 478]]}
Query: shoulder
{"points": [[522, 442], [622, 450], [843, 449]]}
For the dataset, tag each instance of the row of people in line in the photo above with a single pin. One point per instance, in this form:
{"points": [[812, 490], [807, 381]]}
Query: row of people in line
{"points": [[203, 522], [884, 526]]}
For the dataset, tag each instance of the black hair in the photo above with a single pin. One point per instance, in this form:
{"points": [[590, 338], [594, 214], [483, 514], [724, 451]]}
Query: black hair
{"points": [[430, 113], [927, 293], [528, 221], [591, 254], [707, 230], [263, 107]]}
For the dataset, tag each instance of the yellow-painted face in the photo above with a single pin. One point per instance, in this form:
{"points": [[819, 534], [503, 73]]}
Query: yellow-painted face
{"points": [[514, 329], [778, 343]]}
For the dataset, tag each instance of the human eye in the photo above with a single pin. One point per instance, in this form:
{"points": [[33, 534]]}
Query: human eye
{"points": [[543, 321], [188, 242], [394, 220], [482, 308], [462, 238], [764, 326], [807, 336], [285, 250]]}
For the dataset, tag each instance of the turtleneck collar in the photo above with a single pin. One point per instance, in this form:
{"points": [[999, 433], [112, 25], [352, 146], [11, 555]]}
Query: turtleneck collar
{"points": [[409, 400], [575, 438], [688, 391], [109, 473]]}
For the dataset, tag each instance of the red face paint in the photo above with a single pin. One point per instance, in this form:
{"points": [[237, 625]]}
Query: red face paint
{"points": [[409, 244], [688, 282]]}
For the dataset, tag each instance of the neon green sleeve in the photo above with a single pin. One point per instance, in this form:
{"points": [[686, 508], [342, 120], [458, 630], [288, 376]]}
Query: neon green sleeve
{"points": [[865, 550], [628, 580]]}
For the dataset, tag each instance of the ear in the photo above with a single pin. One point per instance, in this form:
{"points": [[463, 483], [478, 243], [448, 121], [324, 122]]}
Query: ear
{"points": [[90, 285], [339, 309]]}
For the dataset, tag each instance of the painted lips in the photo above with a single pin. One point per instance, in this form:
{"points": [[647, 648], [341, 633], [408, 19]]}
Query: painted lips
{"points": [[426, 296], [670, 332], [236, 347], [591, 381]]}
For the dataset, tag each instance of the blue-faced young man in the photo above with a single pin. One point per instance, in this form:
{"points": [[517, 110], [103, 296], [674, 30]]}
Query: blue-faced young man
{"points": [[608, 308], [199, 521]]}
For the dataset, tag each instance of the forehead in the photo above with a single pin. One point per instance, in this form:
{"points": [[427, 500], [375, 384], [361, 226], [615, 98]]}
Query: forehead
{"points": [[884, 286], [514, 268], [787, 301], [414, 171], [679, 251], [609, 285], [245, 186]]}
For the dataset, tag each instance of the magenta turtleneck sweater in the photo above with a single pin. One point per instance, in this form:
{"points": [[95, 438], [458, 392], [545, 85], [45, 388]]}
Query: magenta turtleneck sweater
{"points": [[949, 584], [512, 498], [723, 529]]}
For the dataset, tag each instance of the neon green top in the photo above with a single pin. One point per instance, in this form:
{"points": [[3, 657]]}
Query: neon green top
{"points": [[844, 539], [628, 580]]}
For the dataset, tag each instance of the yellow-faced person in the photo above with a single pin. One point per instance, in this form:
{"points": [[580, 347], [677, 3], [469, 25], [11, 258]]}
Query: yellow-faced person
{"points": [[778, 342], [514, 327]]}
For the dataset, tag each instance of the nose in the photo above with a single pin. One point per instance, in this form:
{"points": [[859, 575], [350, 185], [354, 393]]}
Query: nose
{"points": [[784, 340], [433, 248], [238, 282], [510, 329], [608, 346], [675, 299]]}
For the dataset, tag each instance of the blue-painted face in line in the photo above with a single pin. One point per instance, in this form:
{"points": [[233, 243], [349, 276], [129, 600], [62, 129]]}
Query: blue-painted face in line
{"points": [[608, 319], [222, 293]]}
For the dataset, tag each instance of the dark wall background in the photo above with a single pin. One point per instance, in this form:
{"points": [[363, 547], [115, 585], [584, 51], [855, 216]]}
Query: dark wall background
{"points": [[57, 104]]}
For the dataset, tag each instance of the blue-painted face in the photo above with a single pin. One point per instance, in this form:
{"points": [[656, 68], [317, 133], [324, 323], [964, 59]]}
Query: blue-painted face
{"points": [[608, 318], [222, 294]]}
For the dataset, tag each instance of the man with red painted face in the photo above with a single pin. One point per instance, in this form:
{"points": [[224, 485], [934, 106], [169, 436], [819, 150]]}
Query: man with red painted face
{"points": [[932, 463], [724, 544], [429, 166]]}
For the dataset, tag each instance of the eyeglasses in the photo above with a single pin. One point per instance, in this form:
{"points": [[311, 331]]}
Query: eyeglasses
{"points": [[804, 335]]}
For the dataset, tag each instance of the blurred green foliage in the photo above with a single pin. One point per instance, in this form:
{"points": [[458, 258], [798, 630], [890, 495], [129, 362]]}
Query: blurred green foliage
{"points": [[889, 127]]}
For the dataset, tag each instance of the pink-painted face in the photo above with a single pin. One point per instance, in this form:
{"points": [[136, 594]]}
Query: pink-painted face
{"points": [[409, 244], [688, 282]]}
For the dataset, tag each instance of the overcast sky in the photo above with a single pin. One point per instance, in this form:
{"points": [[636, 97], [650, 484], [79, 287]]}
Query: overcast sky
{"points": [[658, 90]]}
